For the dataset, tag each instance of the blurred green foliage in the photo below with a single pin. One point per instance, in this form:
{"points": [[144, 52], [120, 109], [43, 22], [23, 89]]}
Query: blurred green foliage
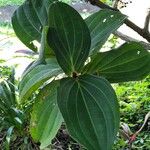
{"points": [[134, 100], [5, 71], [10, 2]]}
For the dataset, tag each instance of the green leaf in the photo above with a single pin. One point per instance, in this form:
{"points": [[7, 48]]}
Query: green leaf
{"points": [[11, 84], [7, 94], [8, 136], [28, 21], [69, 37], [129, 62], [45, 51], [32, 65], [90, 109], [46, 118], [7, 102], [101, 24], [36, 77]]}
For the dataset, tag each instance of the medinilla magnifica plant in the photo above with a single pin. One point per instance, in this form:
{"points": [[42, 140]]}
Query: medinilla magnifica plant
{"points": [[72, 75]]}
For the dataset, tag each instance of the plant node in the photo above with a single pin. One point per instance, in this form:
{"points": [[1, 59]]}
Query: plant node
{"points": [[74, 75]]}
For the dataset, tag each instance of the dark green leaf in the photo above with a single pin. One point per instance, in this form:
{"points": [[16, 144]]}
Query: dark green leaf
{"points": [[69, 37], [28, 21], [101, 25], [36, 77], [90, 109], [127, 63], [46, 118]]}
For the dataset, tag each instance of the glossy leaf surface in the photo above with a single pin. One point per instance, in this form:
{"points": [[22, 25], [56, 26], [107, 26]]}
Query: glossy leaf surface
{"points": [[69, 37], [90, 109], [127, 63]]}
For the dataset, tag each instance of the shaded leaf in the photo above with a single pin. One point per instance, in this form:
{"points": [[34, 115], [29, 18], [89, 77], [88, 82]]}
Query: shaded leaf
{"points": [[69, 37], [90, 109], [28, 21], [46, 118], [127, 63]]}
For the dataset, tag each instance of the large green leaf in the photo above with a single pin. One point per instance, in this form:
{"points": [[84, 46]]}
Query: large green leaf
{"points": [[101, 24], [46, 118], [28, 21], [36, 77], [90, 109], [127, 63], [69, 37]]}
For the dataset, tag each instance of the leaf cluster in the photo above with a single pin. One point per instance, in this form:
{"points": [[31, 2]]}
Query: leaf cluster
{"points": [[72, 74]]}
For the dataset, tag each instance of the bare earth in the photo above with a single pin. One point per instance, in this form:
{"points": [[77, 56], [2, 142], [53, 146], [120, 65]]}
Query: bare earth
{"points": [[6, 13]]}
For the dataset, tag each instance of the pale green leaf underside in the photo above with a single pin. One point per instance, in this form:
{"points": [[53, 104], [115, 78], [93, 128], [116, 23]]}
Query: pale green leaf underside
{"points": [[127, 63], [90, 109], [69, 37], [46, 118], [45, 51], [101, 24], [36, 77]]}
